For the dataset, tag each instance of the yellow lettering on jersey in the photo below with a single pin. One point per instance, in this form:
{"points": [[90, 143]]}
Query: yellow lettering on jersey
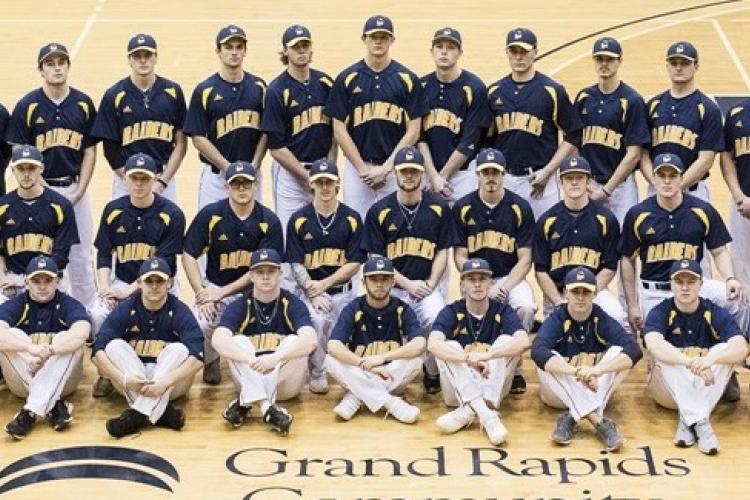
{"points": [[41, 337], [517, 120], [594, 134], [492, 239], [59, 137], [378, 110], [694, 351], [377, 348], [674, 134], [148, 129], [240, 118], [416, 247], [267, 341], [334, 257], [585, 358], [742, 146], [134, 252], [308, 118], [477, 347], [575, 256], [442, 118], [671, 250], [234, 260], [148, 348], [30, 242]]}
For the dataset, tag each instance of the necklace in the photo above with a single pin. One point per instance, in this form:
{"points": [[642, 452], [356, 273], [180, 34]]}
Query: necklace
{"points": [[265, 319], [412, 212], [476, 333], [325, 227]]}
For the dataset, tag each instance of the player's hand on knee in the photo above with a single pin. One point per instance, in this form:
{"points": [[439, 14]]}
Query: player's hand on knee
{"points": [[209, 295], [381, 372], [635, 318], [735, 290], [154, 389], [420, 289], [369, 363], [265, 364], [208, 311], [322, 303], [598, 195], [314, 288], [538, 181]]}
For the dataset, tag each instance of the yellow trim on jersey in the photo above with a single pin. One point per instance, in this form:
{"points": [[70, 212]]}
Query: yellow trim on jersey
{"points": [[548, 225], [653, 106], [24, 314], [113, 215], [352, 222], [553, 94], [165, 217], [285, 97], [285, 308], [701, 109], [603, 222], [406, 77], [119, 97], [596, 331], [492, 89], [85, 107], [382, 215], [205, 95], [519, 216], [581, 96], [298, 223], [566, 325], [463, 212], [263, 227], [171, 91], [437, 209], [638, 221], [58, 211], [469, 94], [708, 317], [212, 222], [358, 315], [29, 112], [3, 208], [672, 315], [399, 313], [624, 106], [349, 78], [326, 81], [247, 319], [735, 110], [262, 87], [703, 217]]}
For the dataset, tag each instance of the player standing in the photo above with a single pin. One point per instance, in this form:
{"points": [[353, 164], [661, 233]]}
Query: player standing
{"points": [[5, 148]]}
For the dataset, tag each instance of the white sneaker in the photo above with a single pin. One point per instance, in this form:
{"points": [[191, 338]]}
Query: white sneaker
{"points": [[319, 385], [496, 431], [348, 407], [455, 420], [401, 410]]}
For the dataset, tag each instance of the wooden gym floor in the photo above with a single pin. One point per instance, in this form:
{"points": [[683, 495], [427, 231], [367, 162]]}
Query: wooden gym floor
{"points": [[370, 457]]}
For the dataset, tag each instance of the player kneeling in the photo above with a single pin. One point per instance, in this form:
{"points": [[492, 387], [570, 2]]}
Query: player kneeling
{"points": [[43, 349], [582, 355], [150, 346], [266, 336], [694, 344], [477, 342], [367, 353]]}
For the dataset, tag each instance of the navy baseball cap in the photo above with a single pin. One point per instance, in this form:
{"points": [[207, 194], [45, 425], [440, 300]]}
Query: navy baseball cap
{"points": [[490, 158], [51, 49], [295, 34], [580, 277], [323, 169], [409, 157], [141, 41], [42, 265], [265, 257], [521, 37], [607, 46], [155, 266], [476, 265], [378, 24], [141, 163], [239, 169], [228, 32], [377, 265], [668, 160], [447, 33], [687, 266], [26, 154], [685, 50], [575, 164]]}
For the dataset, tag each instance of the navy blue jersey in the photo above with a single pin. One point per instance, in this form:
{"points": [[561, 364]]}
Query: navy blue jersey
{"points": [[581, 343], [43, 225], [228, 114], [737, 139], [367, 331], [60, 131], [324, 251], [693, 333], [294, 117], [133, 235], [228, 240], [564, 239], [149, 332], [661, 237], [266, 324], [409, 241], [376, 106], [494, 233], [684, 126], [5, 149], [141, 122], [528, 117], [458, 116], [611, 123], [41, 321], [476, 334]]}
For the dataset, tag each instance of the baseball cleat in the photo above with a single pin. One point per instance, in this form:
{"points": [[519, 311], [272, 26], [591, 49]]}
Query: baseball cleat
{"points": [[708, 443], [431, 383], [732, 390], [348, 407], [684, 437], [455, 420], [212, 372], [279, 419], [609, 435], [172, 418], [102, 388], [518, 386], [21, 424], [236, 414], [401, 410], [319, 385], [496, 431], [129, 422], [61, 415], [564, 429]]}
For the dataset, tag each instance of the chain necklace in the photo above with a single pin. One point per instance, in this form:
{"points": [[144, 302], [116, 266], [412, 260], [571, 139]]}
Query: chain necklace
{"points": [[412, 213], [470, 320], [265, 319], [325, 227]]}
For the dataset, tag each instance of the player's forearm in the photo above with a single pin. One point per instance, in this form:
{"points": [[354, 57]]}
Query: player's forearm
{"points": [[87, 168], [342, 274], [341, 353], [723, 261], [518, 344], [287, 160], [729, 172], [624, 169], [192, 271], [438, 347], [415, 347], [410, 137], [549, 289], [603, 278], [460, 255], [438, 268], [698, 169], [647, 167], [12, 343], [664, 352], [400, 280], [228, 348], [186, 370], [303, 345], [333, 151], [348, 147], [175, 159], [73, 339], [519, 272], [564, 149], [455, 161], [627, 275], [236, 286], [617, 364], [429, 164], [301, 276], [556, 364], [104, 277], [734, 352], [206, 148]]}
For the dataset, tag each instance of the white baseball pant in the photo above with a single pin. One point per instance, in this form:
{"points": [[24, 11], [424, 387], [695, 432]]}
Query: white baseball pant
{"points": [[10, 293], [521, 186], [604, 299], [99, 309], [289, 194], [323, 324], [622, 198], [463, 182], [740, 227], [208, 327], [360, 196], [521, 299], [427, 310], [120, 189]]}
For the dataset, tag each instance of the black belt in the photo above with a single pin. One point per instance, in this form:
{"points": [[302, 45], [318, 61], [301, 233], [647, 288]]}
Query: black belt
{"points": [[61, 181], [523, 171], [600, 179], [664, 286], [693, 187], [334, 290]]}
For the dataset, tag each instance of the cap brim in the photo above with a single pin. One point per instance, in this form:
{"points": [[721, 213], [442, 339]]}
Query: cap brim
{"points": [[265, 263], [296, 40], [377, 272], [146, 171], [47, 272], [26, 161], [667, 165], [488, 165], [447, 37], [606, 53], [142, 47], [243, 175], [681, 56], [54, 52], [524, 45], [315, 177], [155, 272], [488, 272], [378, 30], [685, 271], [585, 286], [574, 170], [415, 166]]}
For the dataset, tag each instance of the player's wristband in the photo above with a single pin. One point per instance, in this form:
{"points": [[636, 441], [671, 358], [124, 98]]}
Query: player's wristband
{"points": [[162, 182], [604, 190]]}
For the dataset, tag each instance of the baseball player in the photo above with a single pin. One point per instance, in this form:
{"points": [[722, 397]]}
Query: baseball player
{"points": [[693, 344], [298, 130], [484, 231], [33, 220], [684, 122], [614, 130], [42, 333], [226, 232], [324, 248], [477, 342], [143, 113], [57, 119], [132, 229], [529, 111], [377, 105], [5, 148], [224, 116], [266, 336], [415, 230], [458, 118], [577, 232], [151, 347], [582, 355], [376, 348]]}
